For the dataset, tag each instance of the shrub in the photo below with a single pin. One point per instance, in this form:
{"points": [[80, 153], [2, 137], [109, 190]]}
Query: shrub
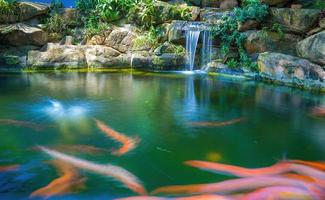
{"points": [[229, 34], [56, 24], [7, 7]]}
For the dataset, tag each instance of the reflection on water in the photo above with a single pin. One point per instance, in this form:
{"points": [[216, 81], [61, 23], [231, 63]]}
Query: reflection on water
{"points": [[157, 108]]}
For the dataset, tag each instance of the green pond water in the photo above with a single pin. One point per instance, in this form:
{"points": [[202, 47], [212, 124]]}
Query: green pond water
{"points": [[158, 108]]}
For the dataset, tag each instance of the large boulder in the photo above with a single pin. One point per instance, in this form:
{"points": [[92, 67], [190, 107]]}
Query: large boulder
{"points": [[294, 20], [167, 61], [104, 57], [210, 3], [22, 34], [24, 11], [213, 15], [285, 67], [58, 57], [263, 41], [120, 39], [313, 48]]}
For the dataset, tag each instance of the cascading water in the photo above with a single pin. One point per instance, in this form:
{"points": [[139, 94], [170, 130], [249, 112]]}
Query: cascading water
{"points": [[206, 51], [192, 38]]}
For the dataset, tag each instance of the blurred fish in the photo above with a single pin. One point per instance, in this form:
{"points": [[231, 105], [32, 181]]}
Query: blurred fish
{"points": [[80, 148], [128, 143], [280, 193], [216, 124], [318, 111], [67, 183], [315, 164], [276, 169], [196, 197], [8, 168], [299, 177], [237, 185], [129, 180], [26, 124]]}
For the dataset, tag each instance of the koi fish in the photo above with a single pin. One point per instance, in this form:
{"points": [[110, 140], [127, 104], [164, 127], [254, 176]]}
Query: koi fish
{"points": [[299, 177], [8, 168], [315, 164], [236, 185], [69, 181], [120, 174], [26, 124], [279, 168], [128, 143], [80, 148], [279, 192], [318, 111], [216, 124], [196, 197]]}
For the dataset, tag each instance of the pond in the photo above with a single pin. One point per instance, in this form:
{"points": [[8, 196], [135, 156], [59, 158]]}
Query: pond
{"points": [[166, 112]]}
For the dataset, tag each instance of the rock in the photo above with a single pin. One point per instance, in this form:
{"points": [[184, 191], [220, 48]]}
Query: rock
{"points": [[214, 15], [313, 48], [14, 57], [263, 41], [275, 2], [142, 60], [195, 13], [322, 23], [247, 25], [228, 4], [22, 34], [58, 57], [169, 48], [296, 6], [285, 67], [68, 14], [105, 57], [294, 20], [67, 40], [314, 31], [120, 39], [25, 11], [176, 33]]}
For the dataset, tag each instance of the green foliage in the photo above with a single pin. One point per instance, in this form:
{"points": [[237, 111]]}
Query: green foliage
{"points": [[319, 4], [232, 63], [146, 12], [93, 27], [7, 7], [56, 24], [148, 39], [230, 36], [56, 4]]}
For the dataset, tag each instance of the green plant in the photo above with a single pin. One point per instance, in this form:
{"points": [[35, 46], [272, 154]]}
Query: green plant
{"points": [[232, 63], [279, 29], [56, 4], [8, 7], [56, 24], [229, 34], [149, 39]]}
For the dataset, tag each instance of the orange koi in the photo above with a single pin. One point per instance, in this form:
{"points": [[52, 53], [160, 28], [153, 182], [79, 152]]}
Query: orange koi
{"points": [[315, 164], [279, 168], [8, 168], [278, 193], [120, 174], [31, 125], [128, 143], [65, 184], [235, 185], [216, 124], [196, 197], [318, 111], [299, 177]]}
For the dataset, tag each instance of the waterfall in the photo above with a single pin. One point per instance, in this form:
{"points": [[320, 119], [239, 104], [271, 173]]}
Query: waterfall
{"points": [[192, 37], [206, 51]]}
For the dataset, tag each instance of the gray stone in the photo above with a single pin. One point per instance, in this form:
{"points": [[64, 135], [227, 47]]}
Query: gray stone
{"points": [[285, 67], [313, 48], [294, 20], [275, 2], [228, 4], [26, 10], [22, 34], [143, 60], [263, 41]]}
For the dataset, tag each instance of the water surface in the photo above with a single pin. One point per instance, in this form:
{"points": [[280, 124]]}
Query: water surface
{"points": [[158, 109]]}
